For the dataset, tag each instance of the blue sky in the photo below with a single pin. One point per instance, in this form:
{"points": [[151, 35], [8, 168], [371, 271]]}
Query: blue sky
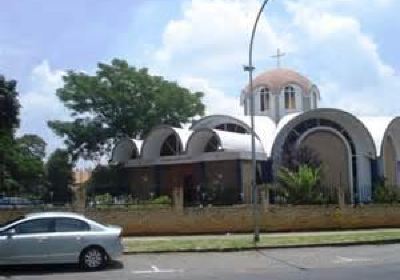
{"points": [[349, 49]]}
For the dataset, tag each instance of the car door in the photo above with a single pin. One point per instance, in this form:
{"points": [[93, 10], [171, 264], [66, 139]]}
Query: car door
{"points": [[67, 240], [5, 248], [29, 241]]}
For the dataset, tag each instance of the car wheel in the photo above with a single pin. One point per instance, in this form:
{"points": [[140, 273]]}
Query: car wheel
{"points": [[93, 258]]}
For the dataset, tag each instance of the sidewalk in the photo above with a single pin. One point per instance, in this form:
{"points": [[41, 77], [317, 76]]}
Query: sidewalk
{"points": [[235, 242]]}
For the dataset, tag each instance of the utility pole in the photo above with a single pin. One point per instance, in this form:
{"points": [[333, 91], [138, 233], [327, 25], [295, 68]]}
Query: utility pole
{"points": [[250, 68]]}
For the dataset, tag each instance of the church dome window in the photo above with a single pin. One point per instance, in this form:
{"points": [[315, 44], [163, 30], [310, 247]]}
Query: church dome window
{"points": [[290, 97], [264, 99]]}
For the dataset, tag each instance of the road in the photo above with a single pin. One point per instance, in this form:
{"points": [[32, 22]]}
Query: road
{"points": [[357, 262]]}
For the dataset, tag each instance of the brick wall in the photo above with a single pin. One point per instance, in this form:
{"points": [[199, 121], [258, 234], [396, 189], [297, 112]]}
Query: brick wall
{"points": [[239, 219]]}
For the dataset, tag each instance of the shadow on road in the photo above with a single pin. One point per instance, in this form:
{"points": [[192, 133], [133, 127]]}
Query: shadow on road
{"points": [[17, 270]]}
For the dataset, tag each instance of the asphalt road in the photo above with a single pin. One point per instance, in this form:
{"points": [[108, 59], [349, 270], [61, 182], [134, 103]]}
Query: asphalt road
{"points": [[357, 262]]}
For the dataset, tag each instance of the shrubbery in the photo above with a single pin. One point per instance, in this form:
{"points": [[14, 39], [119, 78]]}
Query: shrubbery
{"points": [[301, 186], [385, 193]]}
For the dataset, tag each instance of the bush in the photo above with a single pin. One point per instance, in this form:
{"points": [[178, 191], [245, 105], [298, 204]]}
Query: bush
{"points": [[386, 193], [164, 199], [104, 199], [301, 186]]}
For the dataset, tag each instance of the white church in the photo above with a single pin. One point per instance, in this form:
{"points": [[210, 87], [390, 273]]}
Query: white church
{"points": [[214, 153]]}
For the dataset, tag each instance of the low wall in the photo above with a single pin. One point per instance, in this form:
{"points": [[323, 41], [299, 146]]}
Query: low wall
{"points": [[240, 219]]}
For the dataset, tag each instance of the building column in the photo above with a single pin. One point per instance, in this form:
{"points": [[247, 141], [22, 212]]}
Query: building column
{"points": [[177, 198], [240, 179]]}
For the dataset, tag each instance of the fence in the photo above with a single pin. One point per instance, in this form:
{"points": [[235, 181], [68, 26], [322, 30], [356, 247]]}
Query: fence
{"points": [[239, 218], [106, 201]]}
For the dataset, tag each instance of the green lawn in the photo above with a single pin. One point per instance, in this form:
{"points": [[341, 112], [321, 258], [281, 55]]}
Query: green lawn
{"points": [[219, 243]]}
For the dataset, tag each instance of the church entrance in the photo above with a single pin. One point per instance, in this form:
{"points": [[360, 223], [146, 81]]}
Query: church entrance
{"points": [[189, 191], [335, 157], [185, 176]]}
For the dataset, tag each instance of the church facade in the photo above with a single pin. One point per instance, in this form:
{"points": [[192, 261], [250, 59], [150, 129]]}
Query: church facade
{"points": [[211, 159]]}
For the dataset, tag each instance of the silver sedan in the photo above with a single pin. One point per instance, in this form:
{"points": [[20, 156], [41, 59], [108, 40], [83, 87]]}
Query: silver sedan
{"points": [[47, 238]]}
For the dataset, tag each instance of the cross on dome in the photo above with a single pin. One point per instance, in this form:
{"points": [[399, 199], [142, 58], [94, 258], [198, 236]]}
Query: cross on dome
{"points": [[278, 56]]}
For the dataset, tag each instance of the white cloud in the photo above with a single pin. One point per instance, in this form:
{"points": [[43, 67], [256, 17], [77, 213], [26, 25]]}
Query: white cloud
{"points": [[208, 46], [40, 104], [344, 60], [324, 39], [212, 38], [217, 101]]}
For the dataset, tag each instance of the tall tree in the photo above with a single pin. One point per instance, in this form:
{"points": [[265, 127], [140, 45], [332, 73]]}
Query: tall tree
{"points": [[32, 144], [23, 166], [28, 159], [9, 105], [119, 101], [108, 179], [9, 111], [21, 159], [59, 175]]}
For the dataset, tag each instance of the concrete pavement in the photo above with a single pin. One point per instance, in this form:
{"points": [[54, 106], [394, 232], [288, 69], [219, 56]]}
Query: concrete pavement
{"points": [[357, 262]]}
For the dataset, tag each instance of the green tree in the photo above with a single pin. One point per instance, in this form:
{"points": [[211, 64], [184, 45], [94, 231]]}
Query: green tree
{"points": [[301, 186], [21, 159], [23, 166], [8, 182], [32, 144], [29, 152], [59, 175], [119, 101], [107, 179], [9, 112], [9, 105]]}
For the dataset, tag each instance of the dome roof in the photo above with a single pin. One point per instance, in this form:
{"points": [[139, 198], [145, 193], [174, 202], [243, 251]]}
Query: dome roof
{"points": [[278, 78]]}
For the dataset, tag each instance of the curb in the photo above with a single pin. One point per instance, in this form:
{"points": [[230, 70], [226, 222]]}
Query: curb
{"points": [[223, 250]]}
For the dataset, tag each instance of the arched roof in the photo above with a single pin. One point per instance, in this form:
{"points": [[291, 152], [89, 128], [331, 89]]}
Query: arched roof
{"points": [[393, 131], [265, 129], [377, 126], [264, 126], [228, 141], [213, 121], [125, 149], [287, 118], [277, 79], [354, 127], [156, 137]]}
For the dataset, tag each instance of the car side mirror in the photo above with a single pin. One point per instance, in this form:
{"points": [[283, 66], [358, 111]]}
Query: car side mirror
{"points": [[10, 232]]}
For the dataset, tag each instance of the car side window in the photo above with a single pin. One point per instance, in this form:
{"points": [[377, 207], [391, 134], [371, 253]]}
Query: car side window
{"points": [[70, 225], [34, 226]]}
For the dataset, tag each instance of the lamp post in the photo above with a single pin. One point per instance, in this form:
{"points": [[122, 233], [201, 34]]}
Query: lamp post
{"points": [[250, 68]]}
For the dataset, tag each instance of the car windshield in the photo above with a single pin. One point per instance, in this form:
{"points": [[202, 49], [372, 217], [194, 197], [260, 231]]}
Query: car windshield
{"points": [[11, 221]]}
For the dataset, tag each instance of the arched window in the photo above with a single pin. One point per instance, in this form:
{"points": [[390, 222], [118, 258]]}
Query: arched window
{"points": [[134, 154], [171, 146], [231, 127], [264, 99], [212, 145], [290, 97]]}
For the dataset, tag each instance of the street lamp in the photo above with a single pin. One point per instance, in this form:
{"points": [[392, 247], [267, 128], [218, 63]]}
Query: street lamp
{"points": [[250, 68]]}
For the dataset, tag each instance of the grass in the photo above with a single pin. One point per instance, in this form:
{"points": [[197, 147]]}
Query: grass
{"points": [[243, 242]]}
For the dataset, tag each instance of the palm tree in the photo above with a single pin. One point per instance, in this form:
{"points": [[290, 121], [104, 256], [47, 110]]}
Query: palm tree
{"points": [[300, 186]]}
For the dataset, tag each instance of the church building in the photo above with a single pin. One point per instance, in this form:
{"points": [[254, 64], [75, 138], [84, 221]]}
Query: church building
{"points": [[211, 159]]}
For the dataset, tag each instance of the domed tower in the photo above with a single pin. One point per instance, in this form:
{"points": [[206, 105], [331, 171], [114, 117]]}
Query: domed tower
{"points": [[280, 92]]}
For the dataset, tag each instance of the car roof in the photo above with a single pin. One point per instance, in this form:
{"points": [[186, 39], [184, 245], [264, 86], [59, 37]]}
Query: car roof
{"points": [[53, 215]]}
